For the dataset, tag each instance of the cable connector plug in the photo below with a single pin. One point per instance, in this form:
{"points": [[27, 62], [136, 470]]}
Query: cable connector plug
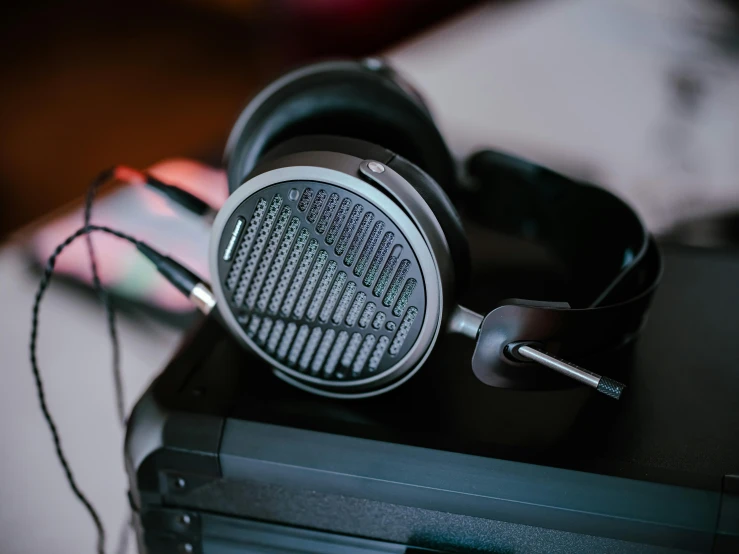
{"points": [[182, 197], [182, 278], [179, 195]]}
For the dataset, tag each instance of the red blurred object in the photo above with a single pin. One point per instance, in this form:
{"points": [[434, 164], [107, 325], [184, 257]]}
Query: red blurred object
{"points": [[129, 175]]}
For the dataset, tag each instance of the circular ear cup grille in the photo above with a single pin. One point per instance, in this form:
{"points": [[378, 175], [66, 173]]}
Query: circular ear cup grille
{"points": [[321, 281]]}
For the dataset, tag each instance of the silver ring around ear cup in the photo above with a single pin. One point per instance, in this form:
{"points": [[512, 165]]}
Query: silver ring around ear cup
{"points": [[333, 270]]}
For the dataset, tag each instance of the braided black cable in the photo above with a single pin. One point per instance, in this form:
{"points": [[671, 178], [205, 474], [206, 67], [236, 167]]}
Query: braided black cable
{"points": [[43, 285], [100, 180]]}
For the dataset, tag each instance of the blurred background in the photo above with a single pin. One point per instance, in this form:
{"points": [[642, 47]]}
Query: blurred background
{"points": [[639, 96], [88, 84]]}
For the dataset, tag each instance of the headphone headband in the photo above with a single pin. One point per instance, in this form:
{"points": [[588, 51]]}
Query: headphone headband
{"points": [[615, 269]]}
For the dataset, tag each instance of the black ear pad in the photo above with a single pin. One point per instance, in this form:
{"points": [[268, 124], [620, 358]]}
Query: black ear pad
{"points": [[363, 100], [429, 189]]}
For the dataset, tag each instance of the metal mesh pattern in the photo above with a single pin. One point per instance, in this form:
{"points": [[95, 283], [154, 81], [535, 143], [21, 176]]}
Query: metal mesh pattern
{"points": [[387, 271], [327, 213], [322, 281], [351, 224], [369, 247], [338, 221], [316, 206], [246, 242]]}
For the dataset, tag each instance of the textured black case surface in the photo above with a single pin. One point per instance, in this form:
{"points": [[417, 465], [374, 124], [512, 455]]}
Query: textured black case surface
{"points": [[447, 463]]}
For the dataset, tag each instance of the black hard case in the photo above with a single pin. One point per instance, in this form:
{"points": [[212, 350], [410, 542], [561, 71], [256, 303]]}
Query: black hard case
{"points": [[223, 457]]}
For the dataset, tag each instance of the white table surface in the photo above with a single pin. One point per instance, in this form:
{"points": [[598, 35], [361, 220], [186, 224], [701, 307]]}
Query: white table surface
{"points": [[584, 86], [38, 513], [578, 85]]}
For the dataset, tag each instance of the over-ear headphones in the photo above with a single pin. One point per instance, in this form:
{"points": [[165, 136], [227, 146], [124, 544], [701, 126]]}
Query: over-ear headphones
{"points": [[339, 257]]}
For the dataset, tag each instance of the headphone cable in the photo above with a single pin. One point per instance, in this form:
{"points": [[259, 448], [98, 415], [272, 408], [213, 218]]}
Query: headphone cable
{"points": [[182, 278], [102, 294]]}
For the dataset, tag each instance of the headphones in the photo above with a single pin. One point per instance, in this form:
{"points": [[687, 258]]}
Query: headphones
{"points": [[339, 256]]}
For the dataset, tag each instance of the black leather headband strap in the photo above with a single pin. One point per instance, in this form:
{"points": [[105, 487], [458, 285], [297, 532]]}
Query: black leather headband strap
{"points": [[615, 267]]}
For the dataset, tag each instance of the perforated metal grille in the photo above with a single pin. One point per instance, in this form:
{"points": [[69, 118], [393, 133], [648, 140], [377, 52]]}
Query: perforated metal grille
{"points": [[322, 280]]}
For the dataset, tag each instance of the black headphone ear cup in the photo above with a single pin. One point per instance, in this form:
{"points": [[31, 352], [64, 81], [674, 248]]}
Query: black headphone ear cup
{"points": [[347, 99], [428, 188]]}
